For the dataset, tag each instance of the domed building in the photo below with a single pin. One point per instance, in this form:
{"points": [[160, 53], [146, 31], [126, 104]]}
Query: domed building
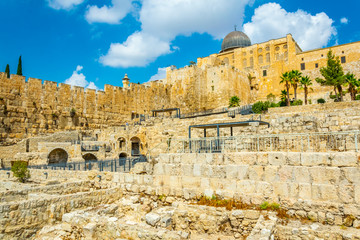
{"points": [[235, 39]]}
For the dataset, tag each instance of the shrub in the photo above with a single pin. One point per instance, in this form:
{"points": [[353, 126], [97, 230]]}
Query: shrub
{"points": [[20, 171], [274, 206], [264, 205], [357, 97], [321, 100], [297, 103], [258, 107], [333, 96], [234, 101], [271, 97], [72, 112], [310, 102]]}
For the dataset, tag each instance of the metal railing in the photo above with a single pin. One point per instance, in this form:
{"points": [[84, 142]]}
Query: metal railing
{"points": [[244, 110], [204, 113], [297, 142], [90, 148], [115, 165]]}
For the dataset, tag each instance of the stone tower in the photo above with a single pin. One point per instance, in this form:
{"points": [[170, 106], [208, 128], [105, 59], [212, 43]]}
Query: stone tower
{"points": [[126, 82]]}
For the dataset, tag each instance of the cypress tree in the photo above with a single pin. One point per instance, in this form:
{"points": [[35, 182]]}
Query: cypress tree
{"points": [[7, 71], [19, 69]]}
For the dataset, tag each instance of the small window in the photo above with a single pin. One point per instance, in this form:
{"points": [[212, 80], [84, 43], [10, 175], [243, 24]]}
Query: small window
{"points": [[285, 46], [342, 52], [267, 48], [264, 73], [343, 59], [277, 48], [259, 50], [212, 88], [302, 59], [316, 65], [302, 66], [322, 55]]}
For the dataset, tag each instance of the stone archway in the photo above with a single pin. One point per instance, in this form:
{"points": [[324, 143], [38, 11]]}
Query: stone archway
{"points": [[89, 157], [122, 155], [58, 156], [135, 146], [122, 143]]}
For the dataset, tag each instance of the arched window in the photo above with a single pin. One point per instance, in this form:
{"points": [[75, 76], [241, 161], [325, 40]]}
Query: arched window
{"points": [[58, 156], [261, 59], [123, 155], [268, 57], [122, 143], [251, 62], [244, 63]]}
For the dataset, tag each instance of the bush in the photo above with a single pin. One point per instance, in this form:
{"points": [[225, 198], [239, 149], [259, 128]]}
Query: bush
{"points": [[20, 171], [72, 112], [264, 205], [271, 97], [297, 103], [357, 97], [310, 102], [333, 96], [234, 101], [321, 100], [260, 107]]}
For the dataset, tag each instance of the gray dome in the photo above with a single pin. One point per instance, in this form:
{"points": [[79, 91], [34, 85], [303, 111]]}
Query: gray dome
{"points": [[235, 39]]}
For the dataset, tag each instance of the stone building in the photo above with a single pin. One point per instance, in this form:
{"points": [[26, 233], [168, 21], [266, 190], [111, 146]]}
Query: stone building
{"points": [[31, 107]]}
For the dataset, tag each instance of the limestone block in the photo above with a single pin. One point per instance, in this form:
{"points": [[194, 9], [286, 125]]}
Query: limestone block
{"points": [[277, 158], [219, 172], [281, 189], [270, 173], [256, 173], [285, 173], [305, 191], [346, 193], [244, 158], [252, 214], [344, 159], [262, 158], [246, 186], [232, 171], [204, 183], [191, 182], [243, 172], [357, 194], [169, 169], [264, 188], [152, 218], [325, 175], [352, 174], [327, 192], [315, 159], [293, 158], [293, 190], [164, 158], [159, 169], [302, 174], [186, 170], [197, 170]]}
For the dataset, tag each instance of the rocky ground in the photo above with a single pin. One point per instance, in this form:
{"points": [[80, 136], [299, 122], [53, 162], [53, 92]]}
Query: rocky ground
{"points": [[137, 217]]}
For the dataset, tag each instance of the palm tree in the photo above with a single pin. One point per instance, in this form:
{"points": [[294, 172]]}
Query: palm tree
{"points": [[295, 77], [353, 83], [305, 83], [285, 78]]}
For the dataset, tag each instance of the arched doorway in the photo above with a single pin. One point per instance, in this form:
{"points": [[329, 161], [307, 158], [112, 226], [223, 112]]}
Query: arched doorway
{"points": [[122, 155], [58, 156], [89, 157], [135, 146], [122, 144]]}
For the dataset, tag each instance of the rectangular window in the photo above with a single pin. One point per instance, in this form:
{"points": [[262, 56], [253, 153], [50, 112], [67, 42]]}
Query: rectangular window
{"points": [[343, 59], [264, 73], [316, 65], [302, 66]]}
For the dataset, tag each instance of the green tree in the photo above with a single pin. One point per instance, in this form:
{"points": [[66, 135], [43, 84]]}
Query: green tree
{"points": [[7, 71], [305, 83], [285, 78], [19, 69], [295, 77], [234, 101], [20, 171], [353, 84], [333, 74]]}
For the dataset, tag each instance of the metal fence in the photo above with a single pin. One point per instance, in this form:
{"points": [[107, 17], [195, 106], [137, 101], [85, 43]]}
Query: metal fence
{"points": [[300, 142], [115, 165]]}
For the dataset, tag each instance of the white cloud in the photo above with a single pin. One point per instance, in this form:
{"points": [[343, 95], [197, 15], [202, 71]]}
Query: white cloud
{"points": [[271, 21], [162, 21], [161, 74], [138, 50], [64, 4], [109, 14], [79, 79], [344, 20]]}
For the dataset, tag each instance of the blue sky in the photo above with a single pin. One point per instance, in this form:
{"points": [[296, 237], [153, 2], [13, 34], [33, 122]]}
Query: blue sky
{"points": [[91, 42]]}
